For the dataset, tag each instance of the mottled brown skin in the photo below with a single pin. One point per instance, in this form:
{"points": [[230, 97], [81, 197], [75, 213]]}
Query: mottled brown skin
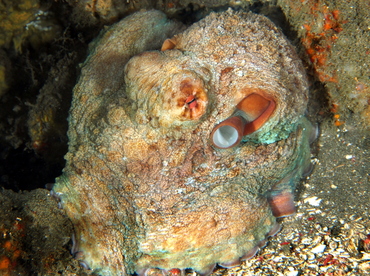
{"points": [[143, 184]]}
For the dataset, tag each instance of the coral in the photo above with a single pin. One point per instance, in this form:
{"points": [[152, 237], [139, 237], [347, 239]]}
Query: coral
{"points": [[143, 185], [335, 39], [320, 38], [46, 119], [24, 20], [33, 232], [4, 71]]}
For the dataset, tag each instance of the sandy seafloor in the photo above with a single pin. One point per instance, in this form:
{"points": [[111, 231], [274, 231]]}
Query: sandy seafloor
{"points": [[330, 233]]}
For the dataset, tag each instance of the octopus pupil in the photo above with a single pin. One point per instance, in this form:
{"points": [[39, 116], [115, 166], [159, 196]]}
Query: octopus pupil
{"points": [[191, 101]]}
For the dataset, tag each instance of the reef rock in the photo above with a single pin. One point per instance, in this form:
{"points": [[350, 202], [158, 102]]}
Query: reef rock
{"points": [[183, 157]]}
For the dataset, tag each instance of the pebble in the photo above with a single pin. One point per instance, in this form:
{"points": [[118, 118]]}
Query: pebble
{"points": [[292, 272], [365, 256], [313, 201], [318, 249], [364, 266], [311, 257], [306, 241], [333, 245]]}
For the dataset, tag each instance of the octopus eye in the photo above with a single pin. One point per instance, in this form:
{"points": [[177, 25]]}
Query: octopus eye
{"points": [[251, 114], [191, 101]]}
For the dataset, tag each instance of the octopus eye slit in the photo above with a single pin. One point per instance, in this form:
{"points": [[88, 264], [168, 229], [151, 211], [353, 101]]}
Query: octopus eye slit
{"points": [[191, 101]]}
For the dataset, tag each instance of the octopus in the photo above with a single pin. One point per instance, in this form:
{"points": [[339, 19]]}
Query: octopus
{"points": [[185, 143]]}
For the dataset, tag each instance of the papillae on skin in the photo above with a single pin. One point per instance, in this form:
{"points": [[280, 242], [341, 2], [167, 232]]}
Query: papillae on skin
{"points": [[143, 185]]}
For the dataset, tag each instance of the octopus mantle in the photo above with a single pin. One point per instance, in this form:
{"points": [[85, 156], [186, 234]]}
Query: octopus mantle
{"points": [[145, 185]]}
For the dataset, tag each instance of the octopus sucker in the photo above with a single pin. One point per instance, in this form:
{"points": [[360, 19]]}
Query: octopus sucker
{"points": [[251, 114], [282, 204], [185, 143]]}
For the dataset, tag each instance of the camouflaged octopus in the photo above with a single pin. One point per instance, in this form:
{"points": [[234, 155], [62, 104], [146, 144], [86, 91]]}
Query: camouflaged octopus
{"points": [[184, 143]]}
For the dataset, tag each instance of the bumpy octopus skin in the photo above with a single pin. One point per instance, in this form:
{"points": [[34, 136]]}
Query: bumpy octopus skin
{"points": [[144, 185]]}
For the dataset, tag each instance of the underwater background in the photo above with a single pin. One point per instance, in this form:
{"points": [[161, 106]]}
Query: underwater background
{"points": [[42, 44]]}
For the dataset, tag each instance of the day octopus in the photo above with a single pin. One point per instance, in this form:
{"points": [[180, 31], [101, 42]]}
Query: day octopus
{"points": [[184, 143]]}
